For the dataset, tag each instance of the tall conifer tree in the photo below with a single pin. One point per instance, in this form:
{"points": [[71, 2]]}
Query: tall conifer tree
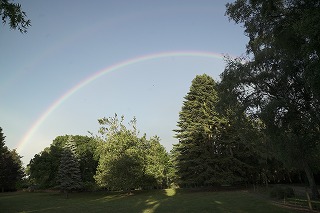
{"points": [[69, 170], [198, 132]]}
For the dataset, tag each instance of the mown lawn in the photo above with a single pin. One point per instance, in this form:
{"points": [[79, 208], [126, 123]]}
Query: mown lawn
{"points": [[168, 200]]}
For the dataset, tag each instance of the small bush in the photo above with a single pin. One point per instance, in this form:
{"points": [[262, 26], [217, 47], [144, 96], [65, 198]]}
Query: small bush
{"points": [[281, 192]]}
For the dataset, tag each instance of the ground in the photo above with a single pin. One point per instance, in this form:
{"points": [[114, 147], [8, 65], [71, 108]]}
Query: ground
{"points": [[169, 200]]}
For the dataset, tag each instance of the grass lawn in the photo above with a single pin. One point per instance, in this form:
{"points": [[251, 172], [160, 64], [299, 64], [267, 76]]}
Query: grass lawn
{"points": [[168, 200]]}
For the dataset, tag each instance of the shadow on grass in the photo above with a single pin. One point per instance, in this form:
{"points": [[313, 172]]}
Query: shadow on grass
{"points": [[137, 201], [168, 200]]}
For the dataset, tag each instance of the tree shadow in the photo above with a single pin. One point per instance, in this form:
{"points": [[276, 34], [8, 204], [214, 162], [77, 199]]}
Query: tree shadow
{"points": [[152, 200]]}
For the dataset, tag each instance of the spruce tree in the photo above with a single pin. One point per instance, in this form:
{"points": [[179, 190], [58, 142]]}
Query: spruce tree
{"points": [[69, 170], [198, 133]]}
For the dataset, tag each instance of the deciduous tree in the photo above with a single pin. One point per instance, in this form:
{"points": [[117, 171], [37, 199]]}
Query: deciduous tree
{"points": [[121, 163], [127, 161], [279, 80], [157, 163]]}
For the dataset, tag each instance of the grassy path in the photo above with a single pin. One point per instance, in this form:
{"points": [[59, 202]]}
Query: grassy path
{"points": [[168, 200]]}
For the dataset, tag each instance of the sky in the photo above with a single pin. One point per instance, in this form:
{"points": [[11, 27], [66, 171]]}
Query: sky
{"points": [[85, 60]]}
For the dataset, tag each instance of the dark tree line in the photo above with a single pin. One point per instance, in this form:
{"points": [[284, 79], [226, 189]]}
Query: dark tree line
{"points": [[46, 168], [11, 171], [279, 82], [218, 143], [263, 117], [115, 159]]}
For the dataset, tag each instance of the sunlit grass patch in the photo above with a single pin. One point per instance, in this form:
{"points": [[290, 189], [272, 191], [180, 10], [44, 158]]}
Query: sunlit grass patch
{"points": [[170, 192]]}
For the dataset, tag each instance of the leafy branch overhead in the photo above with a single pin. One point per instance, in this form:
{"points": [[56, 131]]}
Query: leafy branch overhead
{"points": [[12, 14]]}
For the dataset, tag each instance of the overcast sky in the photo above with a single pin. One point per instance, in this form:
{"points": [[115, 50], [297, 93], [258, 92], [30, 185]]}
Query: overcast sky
{"points": [[146, 51]]}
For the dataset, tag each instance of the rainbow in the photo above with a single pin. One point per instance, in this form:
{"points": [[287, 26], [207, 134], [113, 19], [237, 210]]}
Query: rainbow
{"points": [[25, 139]]}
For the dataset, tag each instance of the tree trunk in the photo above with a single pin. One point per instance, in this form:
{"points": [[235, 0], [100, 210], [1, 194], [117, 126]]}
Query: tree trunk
{"points": [[312, 183]]}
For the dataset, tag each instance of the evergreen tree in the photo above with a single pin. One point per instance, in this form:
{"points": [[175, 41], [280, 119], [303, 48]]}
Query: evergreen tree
{"points": [[69, 170], [198, 134], [11, 170], [2, 140]]}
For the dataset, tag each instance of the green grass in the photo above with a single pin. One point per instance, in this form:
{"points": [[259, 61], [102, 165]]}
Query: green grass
{"points": [[168, 200]]}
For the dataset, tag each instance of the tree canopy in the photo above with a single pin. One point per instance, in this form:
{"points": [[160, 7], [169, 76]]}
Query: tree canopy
{"points": [[127, 161], [43, 167], [216, 142], [278, 82]]}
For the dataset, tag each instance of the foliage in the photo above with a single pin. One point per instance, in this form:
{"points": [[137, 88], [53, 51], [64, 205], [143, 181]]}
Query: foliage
{"points": [[69, 177], [12, 13], [126, 161], [43, 167], [121, 166], [198, 122], [216, 142], [11, 170], [157, 163], [279, 83], [247, 143], [85, 149]]}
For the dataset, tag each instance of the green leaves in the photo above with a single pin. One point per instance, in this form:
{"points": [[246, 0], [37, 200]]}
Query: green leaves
{"points": [[12, 13], [280, 83], [127, 161], [43, 167]]}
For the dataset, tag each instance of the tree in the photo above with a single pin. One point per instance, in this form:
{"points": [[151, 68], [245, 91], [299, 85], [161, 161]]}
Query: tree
{"points": [[12, 13], [85, 149], [69, 170], [121, 157], [127, 161], [157, 163], [11, 170], [43, 167], [279, 81], [201, 156]]}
